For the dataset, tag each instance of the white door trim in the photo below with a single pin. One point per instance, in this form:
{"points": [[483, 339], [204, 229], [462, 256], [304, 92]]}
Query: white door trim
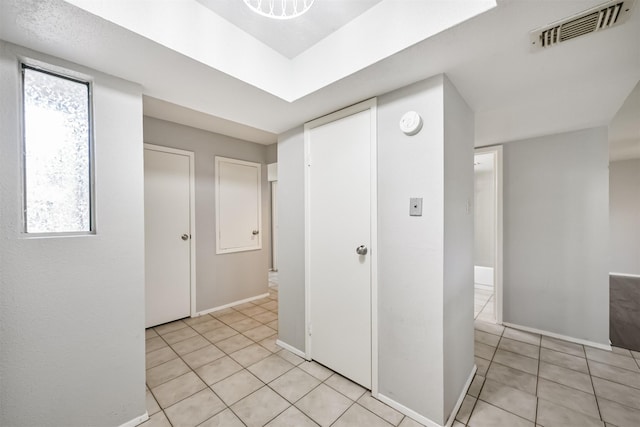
{"points": [[217, 182], [192, 214], [274, 226], [498, 270], [371, 105]]}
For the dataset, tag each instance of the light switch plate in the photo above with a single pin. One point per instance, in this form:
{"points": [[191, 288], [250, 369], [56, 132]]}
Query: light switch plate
{"points": [[415, 207]]}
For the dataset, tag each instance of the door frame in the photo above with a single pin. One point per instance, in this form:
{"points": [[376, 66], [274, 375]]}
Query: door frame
{"points": [[371, 105], [274, 225], [496, 150], [192, 215]]}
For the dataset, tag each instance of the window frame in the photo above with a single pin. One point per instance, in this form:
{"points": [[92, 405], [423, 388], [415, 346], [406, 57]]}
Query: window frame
{"points": [[77, 78]]}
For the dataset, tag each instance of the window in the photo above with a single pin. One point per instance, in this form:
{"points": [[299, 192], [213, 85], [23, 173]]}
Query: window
{"points": [[57, 153]]}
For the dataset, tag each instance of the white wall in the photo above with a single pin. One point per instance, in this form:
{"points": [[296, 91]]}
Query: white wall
{"points": [[291, 252], [225, 278], [410, 250], [484, 217], [418, 367], [425, 269], [556, 234], [624, 211], [72, 308], [458, 297]]}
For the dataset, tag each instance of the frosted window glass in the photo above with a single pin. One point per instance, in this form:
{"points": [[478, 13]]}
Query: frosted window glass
{"points": [[56, 154]]}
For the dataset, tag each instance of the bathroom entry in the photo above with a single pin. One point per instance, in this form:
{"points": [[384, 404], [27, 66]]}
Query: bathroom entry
{"points": [[488, 234]]}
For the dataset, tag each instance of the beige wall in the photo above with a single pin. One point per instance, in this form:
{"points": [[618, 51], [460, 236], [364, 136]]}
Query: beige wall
{"points": [[226, 278]]}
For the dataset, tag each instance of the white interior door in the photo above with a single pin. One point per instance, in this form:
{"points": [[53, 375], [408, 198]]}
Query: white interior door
{"points": [[167, 208], [339, 220]]}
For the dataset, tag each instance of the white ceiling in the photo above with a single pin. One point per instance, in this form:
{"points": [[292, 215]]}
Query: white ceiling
{"points": [[198, 69], [291, 37]]}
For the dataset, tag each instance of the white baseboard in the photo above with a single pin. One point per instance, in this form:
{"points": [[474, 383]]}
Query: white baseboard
{"points": [[222, 307], [483, 275], [291, 349], [408, 412], [465, 389], [421, 418], [136, 421], [558, 336]]}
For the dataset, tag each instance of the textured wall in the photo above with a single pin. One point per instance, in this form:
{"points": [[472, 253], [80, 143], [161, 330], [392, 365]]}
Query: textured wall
{"points": [[72, 308]]}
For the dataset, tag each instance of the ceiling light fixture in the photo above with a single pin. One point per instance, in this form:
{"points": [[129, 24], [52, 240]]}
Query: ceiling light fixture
{"points": [[279, 9]]}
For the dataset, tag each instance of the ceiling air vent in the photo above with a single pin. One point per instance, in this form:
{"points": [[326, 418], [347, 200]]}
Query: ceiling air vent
{"points": [[598, 18]]}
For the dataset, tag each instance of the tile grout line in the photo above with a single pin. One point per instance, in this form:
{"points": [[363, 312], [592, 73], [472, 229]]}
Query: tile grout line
{"points": [[489, 403], [538, 375], [473, 408], [196, 374], [595, 396], [150, 389], [341, 414], [210, 386], [540, 347], [264, 383], [292, 404], [202, 379], [535, 418], [505, 410]]}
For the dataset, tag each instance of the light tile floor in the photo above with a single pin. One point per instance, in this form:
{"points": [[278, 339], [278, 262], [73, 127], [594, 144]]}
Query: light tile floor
{"points": [[525, 379], [226, 370]]}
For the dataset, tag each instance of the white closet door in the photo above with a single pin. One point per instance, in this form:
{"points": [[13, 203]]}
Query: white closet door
{"points": [[167, 236], [339, 222], [238, 205]]}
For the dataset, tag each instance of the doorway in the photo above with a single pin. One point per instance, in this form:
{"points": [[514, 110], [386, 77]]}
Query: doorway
{"points": [[169, 234], [488, 234], [340, 238]]}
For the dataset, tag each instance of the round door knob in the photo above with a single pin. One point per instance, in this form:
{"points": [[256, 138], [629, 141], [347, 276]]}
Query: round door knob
{"points": [[361, 250], [255, 232], [185, 237]]}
